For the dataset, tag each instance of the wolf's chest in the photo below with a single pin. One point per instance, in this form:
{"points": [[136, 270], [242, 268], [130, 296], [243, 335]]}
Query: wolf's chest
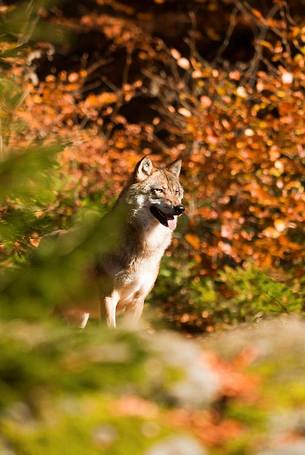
{"points": [[141, 266], [156, 240], [139, 279], [143, 270]]}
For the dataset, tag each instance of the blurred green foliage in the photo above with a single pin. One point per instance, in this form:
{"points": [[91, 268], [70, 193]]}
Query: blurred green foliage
{"points": [[235, 295], [25, 23]]}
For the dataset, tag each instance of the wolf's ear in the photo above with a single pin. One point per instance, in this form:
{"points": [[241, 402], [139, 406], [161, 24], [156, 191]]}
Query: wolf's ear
{"points": [[143, 169], [175, 167]]}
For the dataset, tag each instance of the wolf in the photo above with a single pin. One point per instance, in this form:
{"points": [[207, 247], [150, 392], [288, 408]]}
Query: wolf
{"points": [[137, 231]]}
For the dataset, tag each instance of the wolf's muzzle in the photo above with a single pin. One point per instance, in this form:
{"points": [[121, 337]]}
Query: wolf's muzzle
{"points": [[179, 209], [166, 215]]}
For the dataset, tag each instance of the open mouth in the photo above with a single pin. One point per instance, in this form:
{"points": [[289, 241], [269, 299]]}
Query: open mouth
{"points": [[169, 221]]}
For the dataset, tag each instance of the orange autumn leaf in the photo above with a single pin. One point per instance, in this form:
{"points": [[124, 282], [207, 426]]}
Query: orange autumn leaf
{"points": [[101, 100], [193, 240]]}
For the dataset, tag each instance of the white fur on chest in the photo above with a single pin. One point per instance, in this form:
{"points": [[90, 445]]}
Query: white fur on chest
{"points": [[138, 283], [157, 239], [141, 278], [145, 276]]}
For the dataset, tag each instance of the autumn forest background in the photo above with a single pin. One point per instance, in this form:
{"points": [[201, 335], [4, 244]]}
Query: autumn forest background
{"points": [[86, 89]]}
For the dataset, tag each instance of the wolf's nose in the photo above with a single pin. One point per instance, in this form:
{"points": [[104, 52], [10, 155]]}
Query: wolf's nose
{"points": [[178, 209]]}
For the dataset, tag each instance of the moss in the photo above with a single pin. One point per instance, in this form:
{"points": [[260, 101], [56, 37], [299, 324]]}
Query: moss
{"points": [[249, 415], [87, 426]]}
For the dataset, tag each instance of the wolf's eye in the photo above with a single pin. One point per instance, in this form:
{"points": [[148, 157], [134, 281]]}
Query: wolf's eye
{"points": [[177, 192]]}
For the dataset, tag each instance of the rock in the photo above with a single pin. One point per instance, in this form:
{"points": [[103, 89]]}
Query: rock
{"points": [[294, 448], [199, 384], [177, 445], [105, 435]]}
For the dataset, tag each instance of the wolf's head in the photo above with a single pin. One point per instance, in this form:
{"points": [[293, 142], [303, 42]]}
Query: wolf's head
{"points": [[156, 194]]}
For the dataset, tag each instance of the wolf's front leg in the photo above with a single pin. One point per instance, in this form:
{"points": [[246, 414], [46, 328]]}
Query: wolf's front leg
{"points": [[136, 311], [108, 308], [84, 319]]}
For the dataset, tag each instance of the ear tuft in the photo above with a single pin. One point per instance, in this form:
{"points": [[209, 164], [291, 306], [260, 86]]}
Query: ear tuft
{"points": [[175, 167], [143, 169]]}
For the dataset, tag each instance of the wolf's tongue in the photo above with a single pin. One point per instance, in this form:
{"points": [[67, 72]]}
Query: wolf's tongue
{"points": [[172, 223]]}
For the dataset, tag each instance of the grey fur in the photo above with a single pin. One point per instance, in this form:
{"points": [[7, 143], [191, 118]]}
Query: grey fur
{"points": [[137, 239]]}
